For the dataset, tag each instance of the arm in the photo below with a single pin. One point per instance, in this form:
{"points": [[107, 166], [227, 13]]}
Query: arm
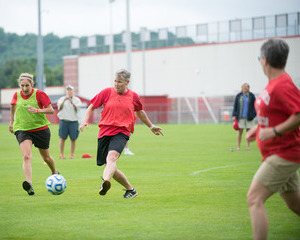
{"points": [[75, 107], [251, 134], [47, 110], [87, 116], [234, 112], [61, 105], [12, 117], [292, 123], [144, 118]]}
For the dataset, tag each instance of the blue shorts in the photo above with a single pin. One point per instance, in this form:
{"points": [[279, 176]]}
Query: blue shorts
{"points": [[68, 129]]}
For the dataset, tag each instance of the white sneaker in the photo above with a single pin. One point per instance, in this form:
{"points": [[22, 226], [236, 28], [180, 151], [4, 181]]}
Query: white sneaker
{"points": [[128, 152]]}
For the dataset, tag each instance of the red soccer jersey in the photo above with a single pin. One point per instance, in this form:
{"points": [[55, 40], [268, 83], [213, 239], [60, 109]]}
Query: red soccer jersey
{"points": [[277, 102], [42, 99], [118, 111]]}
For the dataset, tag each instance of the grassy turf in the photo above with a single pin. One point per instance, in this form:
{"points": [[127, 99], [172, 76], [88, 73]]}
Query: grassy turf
{"points": [[173, 203]]}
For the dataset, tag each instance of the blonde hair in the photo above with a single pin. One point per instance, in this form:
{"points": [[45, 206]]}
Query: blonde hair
{"points": [[123, 74], [244, 84], [26, 76]]}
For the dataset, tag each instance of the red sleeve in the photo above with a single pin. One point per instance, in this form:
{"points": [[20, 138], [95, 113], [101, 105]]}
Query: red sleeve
{"points": [[42, 98], [14, 99], [101, 98], [138, 106], [289, 97]]}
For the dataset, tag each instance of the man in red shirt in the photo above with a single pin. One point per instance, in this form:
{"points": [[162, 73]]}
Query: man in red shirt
{"points": [[117, 122], [278, 138]]}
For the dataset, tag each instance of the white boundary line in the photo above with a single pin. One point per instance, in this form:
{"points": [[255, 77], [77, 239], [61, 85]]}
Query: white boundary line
{"points": [[227, 166]]}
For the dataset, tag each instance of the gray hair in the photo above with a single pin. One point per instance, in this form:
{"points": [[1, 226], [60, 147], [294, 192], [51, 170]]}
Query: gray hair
{"points": [[276, 51], [123, 74], [26, 76]]}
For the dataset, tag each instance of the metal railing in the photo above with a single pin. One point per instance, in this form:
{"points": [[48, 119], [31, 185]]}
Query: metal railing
{"points": [[280, 25]]}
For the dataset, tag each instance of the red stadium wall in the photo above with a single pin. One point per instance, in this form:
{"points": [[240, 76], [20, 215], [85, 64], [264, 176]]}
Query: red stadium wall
{"points": [[71, 72]]}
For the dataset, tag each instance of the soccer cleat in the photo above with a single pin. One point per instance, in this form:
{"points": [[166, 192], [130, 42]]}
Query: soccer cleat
{"points": [[72, 157], [62, 157], [130, 193], [27, 186], [56, 172], [128, 152], [105, 186]]}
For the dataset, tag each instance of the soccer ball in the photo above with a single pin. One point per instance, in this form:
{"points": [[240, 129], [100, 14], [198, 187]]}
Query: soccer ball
{"points": [[56, 184]]}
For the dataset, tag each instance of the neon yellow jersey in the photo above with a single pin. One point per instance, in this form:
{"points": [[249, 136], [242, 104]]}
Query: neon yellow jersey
{"points": [[24, 120]]}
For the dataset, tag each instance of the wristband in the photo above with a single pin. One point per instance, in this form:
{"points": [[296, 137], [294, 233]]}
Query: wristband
{"points": [[276, 133], [152, 126]]}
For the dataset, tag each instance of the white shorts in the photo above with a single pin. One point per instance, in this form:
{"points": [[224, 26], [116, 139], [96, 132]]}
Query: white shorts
{"points": [[244, 123]]}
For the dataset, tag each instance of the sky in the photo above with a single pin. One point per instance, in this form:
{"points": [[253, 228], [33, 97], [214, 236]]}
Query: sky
{"points": [[89, 17]]}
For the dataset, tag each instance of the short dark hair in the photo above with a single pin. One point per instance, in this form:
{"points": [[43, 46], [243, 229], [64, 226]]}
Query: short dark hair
{"points": [[276, 51]]}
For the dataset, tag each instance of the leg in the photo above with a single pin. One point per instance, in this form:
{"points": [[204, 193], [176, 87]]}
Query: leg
{"points": [[127, 150], [62, 146], [256, 198], [48, 159], [121, 178], [26, 149], [248, 142], [111, 165], [292, 200], [73, 144], [240, 134]]}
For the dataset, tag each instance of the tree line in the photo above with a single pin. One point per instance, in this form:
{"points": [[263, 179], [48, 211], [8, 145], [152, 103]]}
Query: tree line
{"points": [[18, 54]]}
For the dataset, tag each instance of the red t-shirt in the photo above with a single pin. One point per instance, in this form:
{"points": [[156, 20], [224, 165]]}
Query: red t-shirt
{"points": [[42, 99], [109, 126], [277, 102]]}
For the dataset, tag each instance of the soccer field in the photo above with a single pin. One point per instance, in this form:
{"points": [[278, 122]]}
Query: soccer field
{"points": [[190, 185]]}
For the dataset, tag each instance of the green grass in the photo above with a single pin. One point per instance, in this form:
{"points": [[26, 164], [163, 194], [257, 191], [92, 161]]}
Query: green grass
{"points": [[172, 202]]}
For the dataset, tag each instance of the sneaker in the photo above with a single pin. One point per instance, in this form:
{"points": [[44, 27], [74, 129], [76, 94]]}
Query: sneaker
{"points": [[27, 186], [130, 193], [128, 152], [105, 186]]}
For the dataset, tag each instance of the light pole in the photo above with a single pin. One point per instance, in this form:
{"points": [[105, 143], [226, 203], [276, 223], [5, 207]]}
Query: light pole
{"points": [[128, 36], [143, 39], [40, 61], [111, 48]]}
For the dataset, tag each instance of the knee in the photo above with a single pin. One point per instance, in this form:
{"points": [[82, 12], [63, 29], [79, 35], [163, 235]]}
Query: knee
{"points": [[112, 157], [252, 199], [27, 157]]}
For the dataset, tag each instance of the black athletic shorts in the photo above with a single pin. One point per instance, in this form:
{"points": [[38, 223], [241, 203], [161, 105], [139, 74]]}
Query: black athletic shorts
{"points": [[40, 139], [108, 143]]}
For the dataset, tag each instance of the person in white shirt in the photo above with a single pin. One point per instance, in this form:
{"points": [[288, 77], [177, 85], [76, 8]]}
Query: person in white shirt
{"points": [[68, 107]]}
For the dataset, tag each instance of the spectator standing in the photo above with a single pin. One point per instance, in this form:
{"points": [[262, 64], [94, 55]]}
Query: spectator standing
{"points": [[68, 107], [244, 112]]}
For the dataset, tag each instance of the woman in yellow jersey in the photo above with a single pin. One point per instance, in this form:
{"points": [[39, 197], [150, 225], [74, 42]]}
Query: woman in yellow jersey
{"points": [[117, 122], [30, 125]]}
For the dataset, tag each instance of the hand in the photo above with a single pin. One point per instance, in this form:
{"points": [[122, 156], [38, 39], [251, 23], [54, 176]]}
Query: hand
{"points": [[82, 125], [251, 134], [266, 133], [32, 110], [10, 128], [157, 131]]}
